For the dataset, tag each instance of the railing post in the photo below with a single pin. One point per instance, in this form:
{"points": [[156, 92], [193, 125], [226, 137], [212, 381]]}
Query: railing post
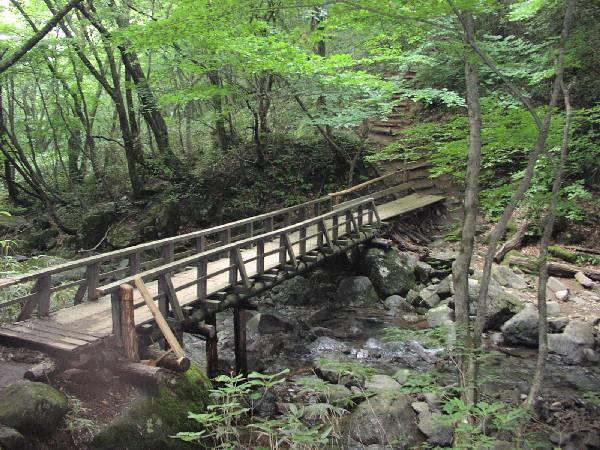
{"points": [[44, 286], [115, 304], [282, 249], [250, 229], [212, 355], [335, 226], [320, 232], [134, 263], [92, 274], [225, 236], [167, 253], [233, 269], [239, 337], [202, 269], [360, 217], [260, 257], [288, 219], [330, 204], [348, 222], [302, 232], [269, 224], [128, 334]]}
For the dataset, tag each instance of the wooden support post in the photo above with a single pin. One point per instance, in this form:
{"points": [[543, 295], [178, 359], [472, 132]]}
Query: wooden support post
{"points": [[239, 336], [260, 257], [128, 334], [212, 354], [325, 235], [172, 297], [239, 261], [269, 224], [233, 268], [202, 269], [282, 250], [115, 304], [335, 227], [134, 263], [330, 204], [42, 288], [360, 217], [250, 229], [80, 294], [375, 212], [302, 232], [348, 222], [92, 275], [353, 222], [225, 236], [167, 254], [290, 249], [159, 319]]}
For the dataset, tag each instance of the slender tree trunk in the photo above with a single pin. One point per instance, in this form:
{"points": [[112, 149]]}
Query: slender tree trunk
{"points": [[470, 211], [538, 378]]}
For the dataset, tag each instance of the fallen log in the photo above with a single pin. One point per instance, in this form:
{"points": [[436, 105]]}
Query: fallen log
{"points": [[530, 265], [384, 244], [41, 371], [167, 360], [513, 243], [591, 251]]}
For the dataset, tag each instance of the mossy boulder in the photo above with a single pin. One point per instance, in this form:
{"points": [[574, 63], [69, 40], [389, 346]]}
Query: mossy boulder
{"points": [[151, 421], [391, 272], [32, 408], [122, 236], [357, 291]]}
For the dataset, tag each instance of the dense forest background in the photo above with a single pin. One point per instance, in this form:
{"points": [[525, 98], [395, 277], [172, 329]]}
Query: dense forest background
{"points": [[133, 120]]}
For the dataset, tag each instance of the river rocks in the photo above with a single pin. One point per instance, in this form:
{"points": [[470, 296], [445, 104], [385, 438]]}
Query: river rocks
{"points": [[357, 291], [429, 298], [555, 285], [391, 272], [570, 344], [337, 395], [562, 296], [295, 291], [266, 323], [11, 439], [327, 344], [337, 369], [396, 304], [32, 407], [381, 384], [150, 421], [522, 328], [557, 324], [423, 271], [501, 305], [401, 375], [439, 316], [430, 425], [506, 277], [583, 280], [383, 420]]}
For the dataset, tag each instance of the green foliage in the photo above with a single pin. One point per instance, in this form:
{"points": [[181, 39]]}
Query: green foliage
{"points": [[429, 337], [230, 412], [348, 368]]}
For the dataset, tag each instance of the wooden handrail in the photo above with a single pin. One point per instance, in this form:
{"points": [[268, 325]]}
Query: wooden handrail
{"points": [[194, 259], [98, 259]]}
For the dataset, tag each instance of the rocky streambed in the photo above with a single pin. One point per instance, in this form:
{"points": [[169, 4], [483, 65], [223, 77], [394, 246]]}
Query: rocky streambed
{"points": [[380, 324]]}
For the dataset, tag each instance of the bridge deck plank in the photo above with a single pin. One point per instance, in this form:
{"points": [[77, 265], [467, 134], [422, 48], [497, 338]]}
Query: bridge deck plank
{"points": [[90, 322]]}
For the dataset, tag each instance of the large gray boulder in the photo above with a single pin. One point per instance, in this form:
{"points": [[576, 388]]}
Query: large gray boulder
{"points": [[392, 272], [506, 277], [386, 420], [573, 341], [501, 305], [382, 384], [31, 407], [357, 291], [267, 323], [522, 328]]}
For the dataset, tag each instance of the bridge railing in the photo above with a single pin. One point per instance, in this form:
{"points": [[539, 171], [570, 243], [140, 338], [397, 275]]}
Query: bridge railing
{"points": [[290, 244], [76, 280]]}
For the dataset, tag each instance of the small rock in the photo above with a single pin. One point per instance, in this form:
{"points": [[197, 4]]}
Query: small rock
{"points": [[562, 296], [433, 400], [506, 277], [382, 383], [357, 291], [420, 407], [555, 285], [429, 297], [583, 280], [423, 271], [401, 375], [552, 309], [442, 315], [437, 433], [266, 323], [591, 355], [327, 344], [11, 439]]}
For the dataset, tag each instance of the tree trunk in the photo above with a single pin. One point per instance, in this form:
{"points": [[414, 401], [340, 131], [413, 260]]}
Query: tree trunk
{"points": [[470, 211], [538, 378]]}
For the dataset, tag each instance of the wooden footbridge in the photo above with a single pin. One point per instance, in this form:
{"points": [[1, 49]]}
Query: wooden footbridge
{"points": [[193, 276]]}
